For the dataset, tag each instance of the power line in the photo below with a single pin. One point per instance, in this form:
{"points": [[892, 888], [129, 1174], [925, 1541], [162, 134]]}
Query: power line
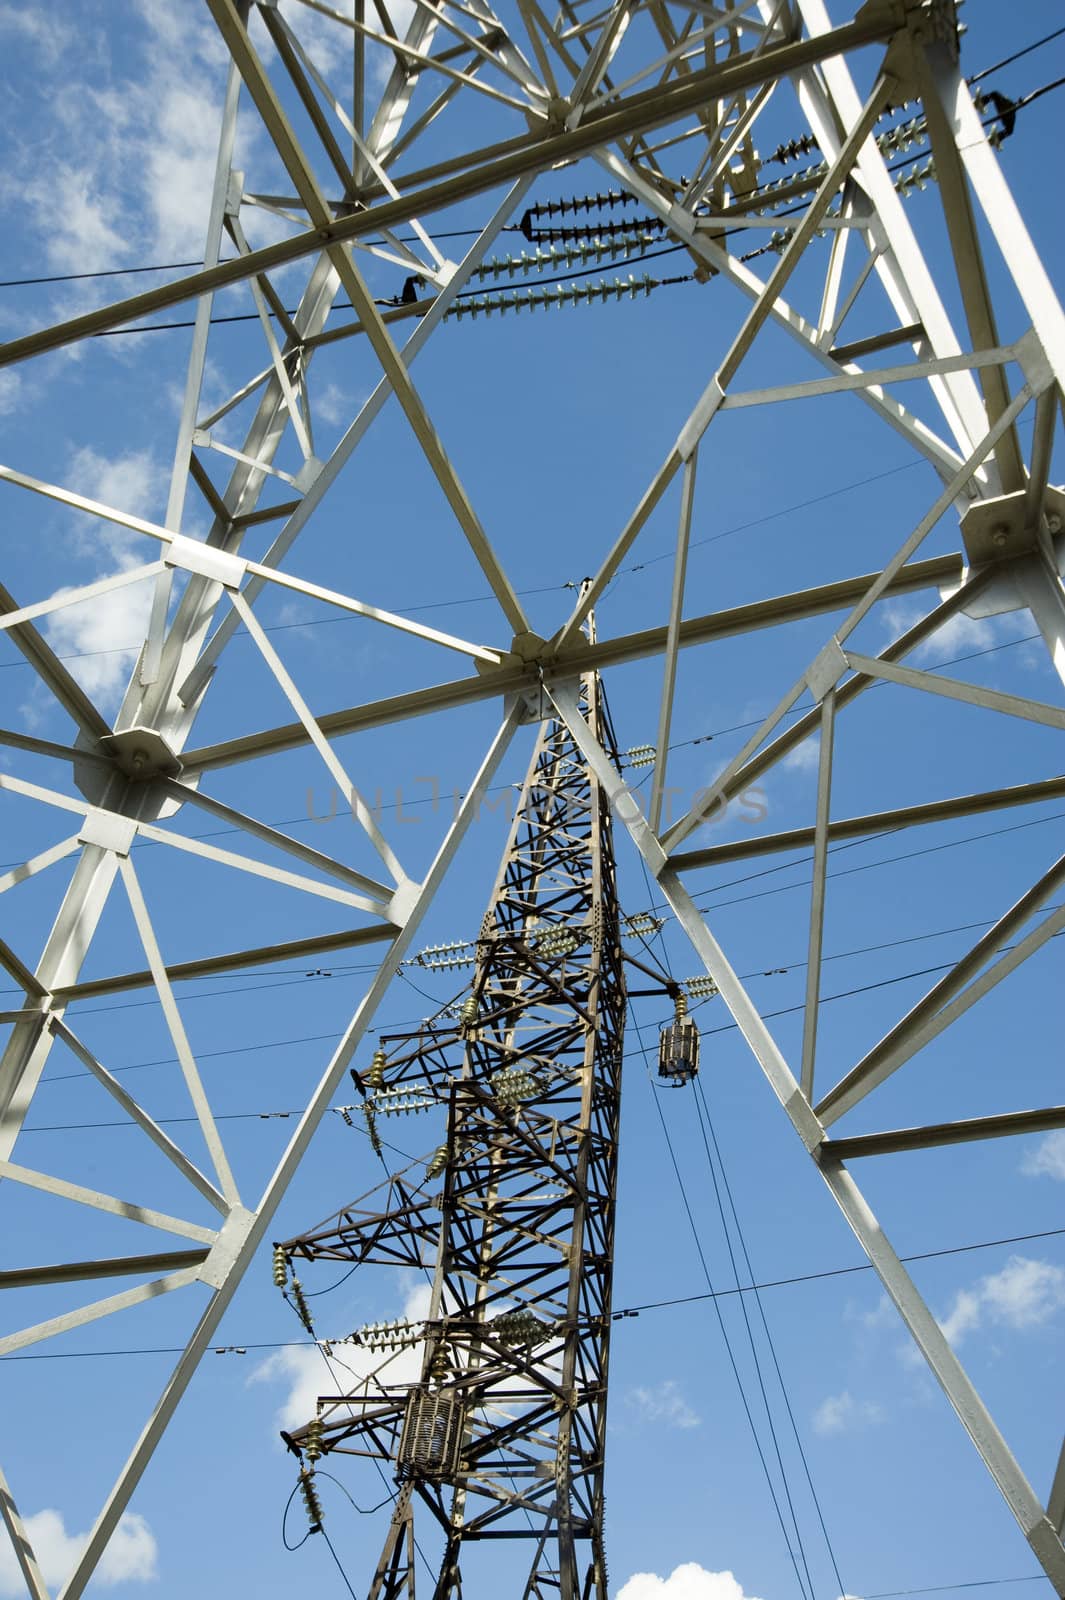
{"points": [[336, 1558], [639, 566], [945, 1588], [714, 1297], [757, 1362], [455, 233], [566, 277], [651, 255], [703, 1111], [423, 800], [1007, 61], [800, 711], [387, 1027], [467, 600], [318, 622], [835, 1272], [865, 988], [618, 1314], [867, 866], [182, 266]]}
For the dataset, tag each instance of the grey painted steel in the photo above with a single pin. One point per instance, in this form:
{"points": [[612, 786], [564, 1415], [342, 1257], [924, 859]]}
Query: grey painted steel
{"points": [[569, 98]]}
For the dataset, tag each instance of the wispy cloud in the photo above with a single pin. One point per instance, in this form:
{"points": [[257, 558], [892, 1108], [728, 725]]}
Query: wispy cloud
{"points": [[10, 392], [131, 1555], [306, 1372], [958, 636], [1023, 1295], [883, 1314], [804, 758], [333, 405], [663, 1402], [42, 29], [102, 635], [842, 1413], [132, 151], [687, 1582], [1047, 1160]]}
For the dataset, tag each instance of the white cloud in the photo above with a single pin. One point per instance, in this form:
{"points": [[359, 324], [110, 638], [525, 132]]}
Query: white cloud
{"points": [[41, 29], [333, 405], [131, 152], [328, 43], [958, 636], [133, 482], [102, 630], [131, 1555], [687, 1582], [10, 391], [804, 758], [1024, 1294], [1047, 1160], [307, 1375], [841, 1413], [663, 1403], [100, 638], [883, 1314]]}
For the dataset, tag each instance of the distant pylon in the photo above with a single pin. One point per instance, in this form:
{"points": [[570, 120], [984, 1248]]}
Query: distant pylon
{"points": [[505, 1428]]}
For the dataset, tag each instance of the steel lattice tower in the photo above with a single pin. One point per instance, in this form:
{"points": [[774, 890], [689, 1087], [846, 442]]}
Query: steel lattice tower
{"points": [[504, 1435], [769, 146]]}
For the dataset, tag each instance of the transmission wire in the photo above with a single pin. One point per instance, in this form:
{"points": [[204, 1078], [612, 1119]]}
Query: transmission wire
{"points": [[757, 1362], [336, 1558], [627, 1311], [702, 1107], [724, 1331]]}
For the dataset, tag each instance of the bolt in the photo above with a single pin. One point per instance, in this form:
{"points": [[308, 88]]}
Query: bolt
{"points": [[1054, 522], [1000, 535], [139, 760]]}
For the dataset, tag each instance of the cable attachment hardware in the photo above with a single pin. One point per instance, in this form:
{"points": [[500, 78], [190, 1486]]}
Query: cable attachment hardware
{"points": [[310, 1499], [521, 1327], [312, 1449], [564, 208], [371, 1129], [558, 940], [375, 1074], [398, 1335], [678, 1046], [303, 1310], [397, 1099], [514, 1084]]}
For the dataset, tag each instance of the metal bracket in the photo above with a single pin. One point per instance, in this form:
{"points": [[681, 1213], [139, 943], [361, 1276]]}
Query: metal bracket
{"points": [[192, 555], [231, 1236], [826, 669], [109, 830], [141, 754], [996, 534]]}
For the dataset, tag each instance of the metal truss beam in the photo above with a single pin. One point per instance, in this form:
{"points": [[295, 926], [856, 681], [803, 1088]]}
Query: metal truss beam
{"points": [[673, 110], [426, 192]]}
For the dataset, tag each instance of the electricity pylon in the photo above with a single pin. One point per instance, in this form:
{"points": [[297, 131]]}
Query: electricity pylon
{"points": [[366, 147], [503, 1434]]}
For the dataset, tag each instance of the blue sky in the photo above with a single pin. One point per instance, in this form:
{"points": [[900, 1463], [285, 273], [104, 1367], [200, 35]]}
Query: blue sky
{"points": [[556, 422]]}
